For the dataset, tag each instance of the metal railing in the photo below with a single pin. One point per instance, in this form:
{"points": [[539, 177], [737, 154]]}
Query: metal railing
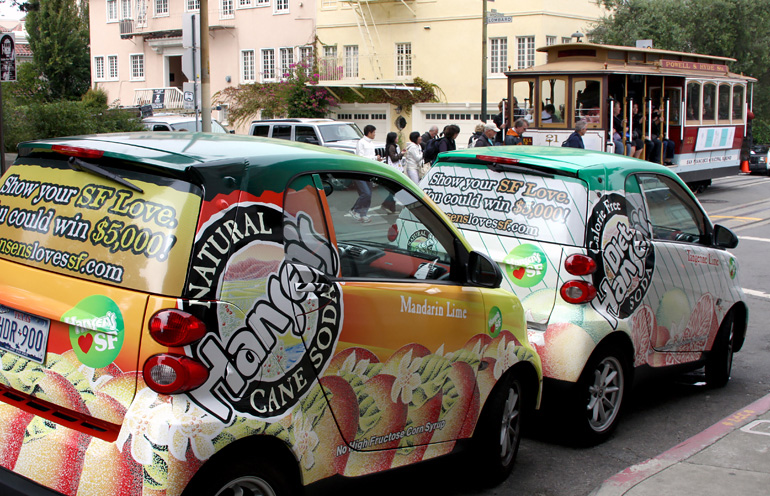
{"points": [[160, 98]]}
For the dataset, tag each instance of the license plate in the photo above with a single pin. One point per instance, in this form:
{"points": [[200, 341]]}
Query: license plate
{"points": [[24, 334]]}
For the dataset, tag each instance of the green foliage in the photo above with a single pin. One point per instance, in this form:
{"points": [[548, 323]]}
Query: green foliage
{"points": [[729, 28], [58, 37], [298, 95], [95, 97], [425, 92], [28, 88], [38, 120]]}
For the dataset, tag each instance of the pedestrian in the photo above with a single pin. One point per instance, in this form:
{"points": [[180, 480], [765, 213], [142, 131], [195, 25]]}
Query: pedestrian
{"points": [[413, 162], [499, 120], [364, 148], [514, 136], [428, 135], [447, 143], [488, 138], [393, 156], [575, 139], [478, 132]]}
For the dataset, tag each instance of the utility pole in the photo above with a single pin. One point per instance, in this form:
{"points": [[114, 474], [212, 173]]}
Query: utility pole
{"points": [[484, 61], [205, 74]]}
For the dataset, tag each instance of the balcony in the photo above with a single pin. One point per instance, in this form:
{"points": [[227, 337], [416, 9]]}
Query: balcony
{"points": [[169, 98]]}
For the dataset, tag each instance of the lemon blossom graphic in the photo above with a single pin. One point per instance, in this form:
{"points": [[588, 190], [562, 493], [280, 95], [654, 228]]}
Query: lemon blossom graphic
{"points": [[305, 439], [506, 357], [407, 379], [147, 422], [351, 366], [190, 425]]}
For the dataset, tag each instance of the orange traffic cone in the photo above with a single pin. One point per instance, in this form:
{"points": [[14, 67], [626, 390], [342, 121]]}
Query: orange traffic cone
{"points": [[745, 167]]}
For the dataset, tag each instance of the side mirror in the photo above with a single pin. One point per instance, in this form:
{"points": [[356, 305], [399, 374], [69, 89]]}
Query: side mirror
{"points": [[483, 271], [724, 237]]}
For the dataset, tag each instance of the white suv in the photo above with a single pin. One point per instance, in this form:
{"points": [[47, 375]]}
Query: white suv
{"points": [[339, 135]]}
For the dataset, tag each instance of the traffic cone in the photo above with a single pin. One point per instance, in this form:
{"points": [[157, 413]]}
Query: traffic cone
{"points": [[745, 167]]}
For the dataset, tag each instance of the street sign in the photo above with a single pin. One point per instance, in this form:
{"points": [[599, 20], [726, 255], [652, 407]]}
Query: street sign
{"points": [[498, 18], [190, 92], [191, 42], [8, 57]]}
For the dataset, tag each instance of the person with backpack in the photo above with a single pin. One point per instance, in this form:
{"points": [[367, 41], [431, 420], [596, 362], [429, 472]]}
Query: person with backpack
{"points": [[478, 133], [429, 135], [575, 139]]}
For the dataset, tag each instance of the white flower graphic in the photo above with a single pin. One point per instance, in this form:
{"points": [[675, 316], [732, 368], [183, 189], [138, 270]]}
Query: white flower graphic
{"points": [[506, 357], [351, 366], [189, 423], [146, 421], [407, 379], [305, 439]]}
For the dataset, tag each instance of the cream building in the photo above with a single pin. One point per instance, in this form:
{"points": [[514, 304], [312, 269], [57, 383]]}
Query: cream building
{"points": [[137, 47]]}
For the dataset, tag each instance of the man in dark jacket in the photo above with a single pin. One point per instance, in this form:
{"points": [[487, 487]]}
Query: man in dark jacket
{"points": [[575, 139], [488, 136], [429, 135]]}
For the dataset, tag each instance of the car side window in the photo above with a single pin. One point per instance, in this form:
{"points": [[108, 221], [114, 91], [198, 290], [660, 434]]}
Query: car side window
{"points": [[383, 231], [260, 130], [282, 131], [674, 214], [305, 134]]}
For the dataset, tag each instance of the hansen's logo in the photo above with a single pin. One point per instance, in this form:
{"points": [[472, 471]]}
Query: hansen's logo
{"points": [[620, 243], [264, 363]]}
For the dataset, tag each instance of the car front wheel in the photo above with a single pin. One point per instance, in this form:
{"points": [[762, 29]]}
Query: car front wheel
{"points": [[719, 363], [499, 430], [601, 390]]}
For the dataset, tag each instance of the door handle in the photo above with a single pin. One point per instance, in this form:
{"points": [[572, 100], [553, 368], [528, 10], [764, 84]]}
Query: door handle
{"points": [[312, 287]]}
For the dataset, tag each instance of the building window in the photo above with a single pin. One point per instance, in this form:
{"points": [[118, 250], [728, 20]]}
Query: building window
{"points": [[566, 39], [550, 40], [306, 59], [161, 8], [112, 67], [351, 61], [112, 10], [141, 13], [247, 66], [268, 64], [125, 9], [329, 69], [526, 51], [263, 3], [226, 9], [245, 4], [287, 60], [281, 7], [498, 55], [329, 4], [137, 66], [99, 68], [192, 5], [403, 59]]}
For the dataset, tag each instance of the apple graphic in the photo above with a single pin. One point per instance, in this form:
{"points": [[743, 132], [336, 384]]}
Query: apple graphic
{"points": [[13, 423]]}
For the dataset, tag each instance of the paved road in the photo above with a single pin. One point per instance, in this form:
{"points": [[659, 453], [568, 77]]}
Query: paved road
{"points": [[661, 414]]}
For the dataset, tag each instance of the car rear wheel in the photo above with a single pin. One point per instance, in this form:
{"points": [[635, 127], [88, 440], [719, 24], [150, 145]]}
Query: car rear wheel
{"points": [[498, 433], [601, 390], [252, 476], [719, 363]]}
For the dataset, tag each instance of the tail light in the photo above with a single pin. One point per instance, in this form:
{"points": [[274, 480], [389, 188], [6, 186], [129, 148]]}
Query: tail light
{"points": [[578, 292], [76, 151], [173, 374], [392, 232], [580, 265], [176, 328], [498, 160]]}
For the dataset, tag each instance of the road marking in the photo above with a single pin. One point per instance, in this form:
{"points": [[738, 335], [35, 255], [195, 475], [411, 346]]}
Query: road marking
{"points": [[752, 238], [734, 217], [754, 292]]}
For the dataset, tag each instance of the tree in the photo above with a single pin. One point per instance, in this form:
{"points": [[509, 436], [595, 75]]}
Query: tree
{"points": [[729, 28], [59, 40]]}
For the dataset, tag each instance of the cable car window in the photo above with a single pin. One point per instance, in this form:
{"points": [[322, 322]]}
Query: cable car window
{"points": [[588, 98], [723, 113], [709, 103], [693, 102], [738, 99], [553, 98]]}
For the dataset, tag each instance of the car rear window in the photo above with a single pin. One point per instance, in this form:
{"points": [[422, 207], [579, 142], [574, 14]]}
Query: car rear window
{"points": [[520, 205], [340, 132], [86, 226]]}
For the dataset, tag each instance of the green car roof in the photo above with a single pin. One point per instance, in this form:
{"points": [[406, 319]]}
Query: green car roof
{"points": [[588, 165]]}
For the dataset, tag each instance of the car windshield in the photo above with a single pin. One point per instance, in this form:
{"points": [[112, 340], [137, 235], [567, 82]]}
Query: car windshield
{"points": [[514, 204], [340, 131]]}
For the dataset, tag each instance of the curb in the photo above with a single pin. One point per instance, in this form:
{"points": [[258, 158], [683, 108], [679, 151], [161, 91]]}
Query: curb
{"points": [[624, 481]]}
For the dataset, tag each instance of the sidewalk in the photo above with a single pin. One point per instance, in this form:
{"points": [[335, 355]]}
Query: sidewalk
{"points": [[730, 457]]}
